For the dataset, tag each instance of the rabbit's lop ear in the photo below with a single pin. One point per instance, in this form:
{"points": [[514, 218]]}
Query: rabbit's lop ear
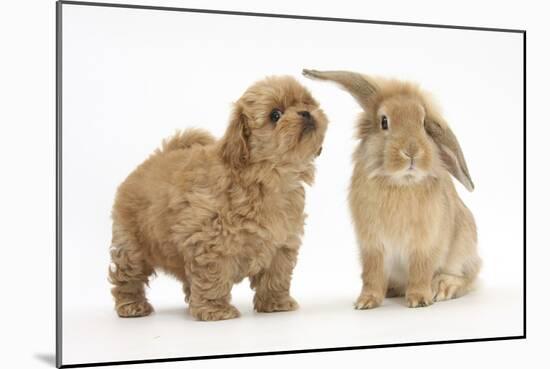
{"points": [[451, 153], [358, 85]]}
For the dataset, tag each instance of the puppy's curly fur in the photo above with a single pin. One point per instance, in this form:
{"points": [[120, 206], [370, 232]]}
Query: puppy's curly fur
{"points": [[212, 212]]}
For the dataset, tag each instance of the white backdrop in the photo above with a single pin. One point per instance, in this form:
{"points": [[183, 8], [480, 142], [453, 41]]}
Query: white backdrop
{"points": [[28, 201], [132, 77], [27, 147]]}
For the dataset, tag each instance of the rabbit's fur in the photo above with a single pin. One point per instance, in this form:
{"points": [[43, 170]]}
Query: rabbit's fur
{"points": [[416, 236]]}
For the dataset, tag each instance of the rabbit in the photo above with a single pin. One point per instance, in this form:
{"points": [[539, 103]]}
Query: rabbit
{"points": [[417, 238]]}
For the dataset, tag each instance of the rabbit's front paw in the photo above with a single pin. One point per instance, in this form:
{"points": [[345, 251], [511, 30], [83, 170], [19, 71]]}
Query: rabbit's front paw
{"points": [[368, 301], [419, 299]]}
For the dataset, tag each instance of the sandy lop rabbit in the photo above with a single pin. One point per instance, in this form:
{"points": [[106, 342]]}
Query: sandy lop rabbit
{"points": [[416, 236]]}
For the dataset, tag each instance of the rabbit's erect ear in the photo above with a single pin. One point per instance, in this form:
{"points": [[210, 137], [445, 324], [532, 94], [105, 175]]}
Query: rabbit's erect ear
{"points": [[234, 148], [451, 153], [358, 85]]}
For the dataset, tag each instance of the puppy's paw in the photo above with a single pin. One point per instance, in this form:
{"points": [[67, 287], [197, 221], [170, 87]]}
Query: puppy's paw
{"points": [[274, 304], [213, 313], [134, 309], [419, 299], [368, 301]]}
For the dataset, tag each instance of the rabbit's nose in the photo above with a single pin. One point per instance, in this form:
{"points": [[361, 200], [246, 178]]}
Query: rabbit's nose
{"points": [[412, 150]]}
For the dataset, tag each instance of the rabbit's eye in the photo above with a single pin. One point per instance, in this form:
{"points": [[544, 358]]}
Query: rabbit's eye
{"points": [[275, 115], [384, 122]]}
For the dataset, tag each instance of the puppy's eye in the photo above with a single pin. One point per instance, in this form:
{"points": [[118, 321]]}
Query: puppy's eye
{"points": [[275, 115], [384, 122]]}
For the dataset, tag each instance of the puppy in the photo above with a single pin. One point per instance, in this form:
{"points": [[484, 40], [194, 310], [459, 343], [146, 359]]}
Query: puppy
{"points": [[212, 212]]}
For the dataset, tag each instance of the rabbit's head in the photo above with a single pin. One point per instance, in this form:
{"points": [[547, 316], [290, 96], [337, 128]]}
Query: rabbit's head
{"points": [[403, 137]]}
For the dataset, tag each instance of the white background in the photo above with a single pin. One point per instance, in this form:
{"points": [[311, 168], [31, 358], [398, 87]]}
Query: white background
{"points": [[29, 160], [132, 77]]}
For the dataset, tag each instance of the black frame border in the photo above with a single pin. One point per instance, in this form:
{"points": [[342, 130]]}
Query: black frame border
{"points": [[58, 176]]}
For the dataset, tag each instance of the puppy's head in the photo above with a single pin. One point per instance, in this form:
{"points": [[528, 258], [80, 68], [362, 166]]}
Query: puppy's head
{"points": [[275, 121]]}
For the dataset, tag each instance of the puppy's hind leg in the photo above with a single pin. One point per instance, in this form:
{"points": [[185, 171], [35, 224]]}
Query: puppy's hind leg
{"points": [[129, 273]]}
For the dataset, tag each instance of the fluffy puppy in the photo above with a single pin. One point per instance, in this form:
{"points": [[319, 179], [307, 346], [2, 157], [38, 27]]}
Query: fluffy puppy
{"points": [[212, 212]]}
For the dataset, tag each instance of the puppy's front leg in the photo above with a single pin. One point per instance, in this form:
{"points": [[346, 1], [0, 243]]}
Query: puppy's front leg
{"points": [[211, 284], [272, 284]]}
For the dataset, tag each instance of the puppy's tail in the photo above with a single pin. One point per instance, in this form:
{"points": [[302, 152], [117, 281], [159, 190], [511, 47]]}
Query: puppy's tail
{"points": [[186, 139]]}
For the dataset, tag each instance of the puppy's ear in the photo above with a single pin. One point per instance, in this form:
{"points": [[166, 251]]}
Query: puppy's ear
{"points": [[234, 149]]}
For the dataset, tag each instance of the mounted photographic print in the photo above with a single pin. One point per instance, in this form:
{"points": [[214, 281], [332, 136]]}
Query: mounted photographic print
{"points": [[236, 184]]}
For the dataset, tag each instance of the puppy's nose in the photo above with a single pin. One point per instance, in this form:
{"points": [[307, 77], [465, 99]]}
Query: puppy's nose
{"points": [[305, 114], [309, 122]]}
